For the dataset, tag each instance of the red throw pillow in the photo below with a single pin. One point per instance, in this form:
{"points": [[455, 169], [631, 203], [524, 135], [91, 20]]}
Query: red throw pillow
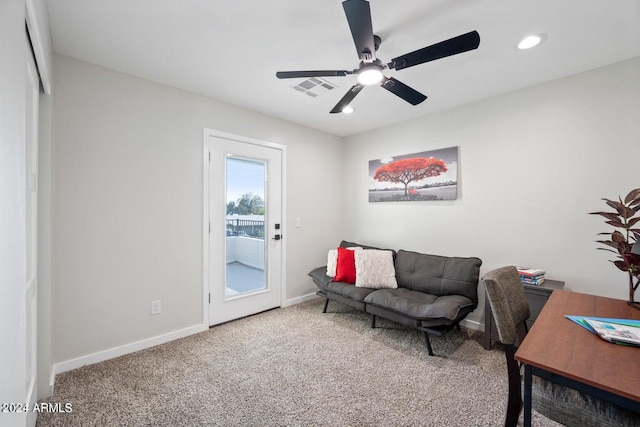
{"points": [[346, 266]]}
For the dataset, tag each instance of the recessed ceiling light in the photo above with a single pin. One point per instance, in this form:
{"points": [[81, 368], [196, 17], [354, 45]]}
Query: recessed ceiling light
{"points": [[531, 40], [347, 110]]}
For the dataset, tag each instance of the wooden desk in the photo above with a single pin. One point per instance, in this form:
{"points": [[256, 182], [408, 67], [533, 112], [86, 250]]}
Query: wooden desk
{"points": [[561, 351]]}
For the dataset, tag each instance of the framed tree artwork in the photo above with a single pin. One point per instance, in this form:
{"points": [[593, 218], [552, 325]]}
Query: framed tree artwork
{"points": [[429, 175]]}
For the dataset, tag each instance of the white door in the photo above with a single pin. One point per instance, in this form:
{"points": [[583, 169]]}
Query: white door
{"points": [[246, 227], [31, 211]]}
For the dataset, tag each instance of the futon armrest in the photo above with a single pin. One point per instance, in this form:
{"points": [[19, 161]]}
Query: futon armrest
{"points": [[320, 278]]}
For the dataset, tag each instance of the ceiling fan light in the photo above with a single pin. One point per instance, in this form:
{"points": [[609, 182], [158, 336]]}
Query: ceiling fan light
{"points": [[369, 76], [531, 40], [347, 110]]}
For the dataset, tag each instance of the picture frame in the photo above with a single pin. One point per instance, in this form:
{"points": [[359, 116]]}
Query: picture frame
{"points": [[424, 176]]}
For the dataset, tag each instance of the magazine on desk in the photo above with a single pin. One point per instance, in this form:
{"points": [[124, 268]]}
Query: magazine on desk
{"points": [[615, 332], [624, 323]]}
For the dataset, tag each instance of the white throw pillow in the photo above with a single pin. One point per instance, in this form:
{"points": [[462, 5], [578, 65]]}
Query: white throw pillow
{"points": [[374, 269], [332, 260]]}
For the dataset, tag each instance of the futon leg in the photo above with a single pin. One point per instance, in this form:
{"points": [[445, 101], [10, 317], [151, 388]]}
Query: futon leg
{"points": [[326, 304], [426, 340], [373, 321]]}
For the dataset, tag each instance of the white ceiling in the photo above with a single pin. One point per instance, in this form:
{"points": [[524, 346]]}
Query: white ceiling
{"points": [[231, 50]]}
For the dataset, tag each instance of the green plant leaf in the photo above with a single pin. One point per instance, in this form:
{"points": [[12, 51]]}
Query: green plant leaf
{"points": [[621, 265], [609, 215], [611, 244], [617, 237], [607, 250], [629, 213], [622, 218], [615, 205], [616, 224], [607, 242], [633, 195]]}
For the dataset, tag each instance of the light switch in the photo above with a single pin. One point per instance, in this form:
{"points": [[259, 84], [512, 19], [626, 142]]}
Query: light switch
{"points": [[298, 222]]}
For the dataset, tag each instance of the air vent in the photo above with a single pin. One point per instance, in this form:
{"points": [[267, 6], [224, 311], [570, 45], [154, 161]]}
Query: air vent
{"points": [[314, 87]]}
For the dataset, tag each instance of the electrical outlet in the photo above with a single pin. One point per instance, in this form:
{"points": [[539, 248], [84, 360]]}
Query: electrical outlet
{"points": [[155, 307]]}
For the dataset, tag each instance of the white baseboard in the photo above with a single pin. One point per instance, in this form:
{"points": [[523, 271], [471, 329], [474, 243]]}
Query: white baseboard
{"points": [[122, 350], [52, 380], [111, 353], [142, 344], [472, 324], [298, 300]]}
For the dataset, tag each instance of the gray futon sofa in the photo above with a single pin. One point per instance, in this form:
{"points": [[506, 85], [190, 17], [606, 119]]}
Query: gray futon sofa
{"points": [[434, 292]]}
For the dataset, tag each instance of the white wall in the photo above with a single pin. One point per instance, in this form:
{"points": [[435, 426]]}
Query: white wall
{"points": [[127, 184], [128, 204], [245, 250], [532, 165]]}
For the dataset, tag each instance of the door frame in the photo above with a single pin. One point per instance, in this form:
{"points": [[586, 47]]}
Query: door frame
{"points": [[206, 231]]}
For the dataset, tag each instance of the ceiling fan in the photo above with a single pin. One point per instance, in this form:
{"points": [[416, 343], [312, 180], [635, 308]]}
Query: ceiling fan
{"points": [[370, 69]]}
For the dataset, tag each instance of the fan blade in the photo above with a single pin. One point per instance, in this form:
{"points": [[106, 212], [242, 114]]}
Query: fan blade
{"points": [[453, 46], [359, 18], [400, 89], [319, 73], [347, 98]]}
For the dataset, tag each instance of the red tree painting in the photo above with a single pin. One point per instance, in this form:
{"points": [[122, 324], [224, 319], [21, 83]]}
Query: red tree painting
{"points": [[407, 170]]}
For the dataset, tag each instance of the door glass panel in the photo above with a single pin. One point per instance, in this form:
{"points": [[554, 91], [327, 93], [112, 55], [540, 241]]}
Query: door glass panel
{"points": [[245, 251]]}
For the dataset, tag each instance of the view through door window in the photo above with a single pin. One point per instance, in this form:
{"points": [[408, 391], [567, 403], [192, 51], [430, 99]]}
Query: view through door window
{"points": [[245, 251]]}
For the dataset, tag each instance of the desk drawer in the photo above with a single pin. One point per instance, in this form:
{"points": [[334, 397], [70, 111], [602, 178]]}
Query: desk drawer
{"points": [[536, 302]]}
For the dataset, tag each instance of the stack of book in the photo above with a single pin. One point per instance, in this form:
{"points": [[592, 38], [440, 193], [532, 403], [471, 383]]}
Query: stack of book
{"points": [[531, 276]]}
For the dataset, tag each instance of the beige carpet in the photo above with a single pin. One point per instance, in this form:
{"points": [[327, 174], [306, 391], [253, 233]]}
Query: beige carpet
{"points": [[294, 367]]}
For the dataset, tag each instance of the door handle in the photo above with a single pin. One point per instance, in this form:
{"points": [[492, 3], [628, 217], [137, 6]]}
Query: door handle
{"points": [[276, 237]]}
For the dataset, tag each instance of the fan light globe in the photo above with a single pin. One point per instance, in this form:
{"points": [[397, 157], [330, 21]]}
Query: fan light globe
{"points": [[369, 76], [347, 110]]}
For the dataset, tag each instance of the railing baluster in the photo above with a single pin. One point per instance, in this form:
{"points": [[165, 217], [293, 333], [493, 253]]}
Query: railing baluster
{"points": [[250, 228]]}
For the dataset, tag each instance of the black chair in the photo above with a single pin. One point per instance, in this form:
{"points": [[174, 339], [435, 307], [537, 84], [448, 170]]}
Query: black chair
{"points": [[510, 308]]}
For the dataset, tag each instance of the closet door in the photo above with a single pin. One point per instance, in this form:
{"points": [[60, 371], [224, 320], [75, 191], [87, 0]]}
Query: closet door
{"points": [[31, 238]]}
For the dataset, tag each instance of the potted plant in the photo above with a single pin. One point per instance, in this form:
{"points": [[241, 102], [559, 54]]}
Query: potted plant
{"points": [[622, 241]]}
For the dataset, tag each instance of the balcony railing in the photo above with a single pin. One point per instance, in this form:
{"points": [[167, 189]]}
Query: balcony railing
{"points": [[245, 228]]}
